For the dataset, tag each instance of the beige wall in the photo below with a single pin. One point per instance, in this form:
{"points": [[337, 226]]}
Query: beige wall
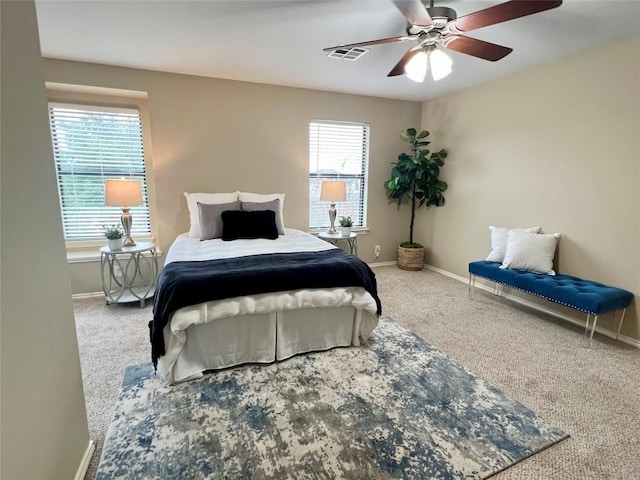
{"points": [[556, 146], [214, 135], [44, 426]]}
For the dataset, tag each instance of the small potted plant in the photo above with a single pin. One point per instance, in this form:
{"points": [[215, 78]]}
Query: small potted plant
{"points": [[345, 226], [114, 236]]}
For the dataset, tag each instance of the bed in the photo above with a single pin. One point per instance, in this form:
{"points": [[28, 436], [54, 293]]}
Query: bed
{"points": [[223, 303]]}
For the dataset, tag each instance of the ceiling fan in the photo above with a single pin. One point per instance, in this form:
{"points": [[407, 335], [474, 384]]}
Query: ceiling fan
{"points": [[434, 27]]}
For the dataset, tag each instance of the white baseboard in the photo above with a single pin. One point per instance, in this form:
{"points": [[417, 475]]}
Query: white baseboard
{"points": [[382, 264], [86, 460], [77, 296], [576, 321]]}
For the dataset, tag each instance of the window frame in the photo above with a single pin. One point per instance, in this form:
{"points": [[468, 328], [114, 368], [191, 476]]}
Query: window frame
{"points": [[363, 177], [98, 97]]}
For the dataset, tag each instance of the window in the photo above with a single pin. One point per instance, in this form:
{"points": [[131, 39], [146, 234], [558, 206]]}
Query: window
{"points": [[91, 144], [338, 151]]}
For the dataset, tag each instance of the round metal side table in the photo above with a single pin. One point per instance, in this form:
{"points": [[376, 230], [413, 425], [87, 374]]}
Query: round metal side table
{"points": [[129, 274], [336, 238]]}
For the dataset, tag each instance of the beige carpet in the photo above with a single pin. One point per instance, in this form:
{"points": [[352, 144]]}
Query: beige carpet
{"points": [[592, 394]]}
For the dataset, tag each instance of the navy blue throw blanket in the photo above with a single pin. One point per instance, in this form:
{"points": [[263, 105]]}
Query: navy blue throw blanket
{"points": [[181, 284]]}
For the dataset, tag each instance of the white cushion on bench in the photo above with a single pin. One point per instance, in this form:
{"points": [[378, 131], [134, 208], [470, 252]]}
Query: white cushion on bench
{"points": [[532, 252], [499, 240]]}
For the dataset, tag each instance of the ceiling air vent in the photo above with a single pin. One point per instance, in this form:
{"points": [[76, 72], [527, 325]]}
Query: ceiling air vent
{"points": [[351, 54]]}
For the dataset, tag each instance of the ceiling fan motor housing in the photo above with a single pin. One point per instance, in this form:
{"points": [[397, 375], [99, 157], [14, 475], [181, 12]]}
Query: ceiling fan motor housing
{"points": [[440, 16]]}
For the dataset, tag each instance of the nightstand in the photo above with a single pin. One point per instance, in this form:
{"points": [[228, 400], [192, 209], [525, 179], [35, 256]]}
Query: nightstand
{"points": [[336, 238], [129, 274]]}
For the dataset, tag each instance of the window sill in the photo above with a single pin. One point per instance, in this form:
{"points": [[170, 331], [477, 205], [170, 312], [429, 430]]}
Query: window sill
{"points": [[83, 257], [358, 230], [86, 251]]}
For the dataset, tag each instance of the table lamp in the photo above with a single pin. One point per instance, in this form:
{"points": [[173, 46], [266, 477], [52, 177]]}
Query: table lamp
{"points": [[333, 192], [123, 193]]}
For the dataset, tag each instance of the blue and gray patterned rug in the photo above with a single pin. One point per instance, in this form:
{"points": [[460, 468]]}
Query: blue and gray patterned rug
{"points": [[396, 408]]}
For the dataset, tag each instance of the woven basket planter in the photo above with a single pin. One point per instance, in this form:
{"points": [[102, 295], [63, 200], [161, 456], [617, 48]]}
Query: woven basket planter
{"points": [[410, 258]]}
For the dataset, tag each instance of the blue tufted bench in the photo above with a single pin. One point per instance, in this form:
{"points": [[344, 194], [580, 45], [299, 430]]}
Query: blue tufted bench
{"points": [[590, 297]]}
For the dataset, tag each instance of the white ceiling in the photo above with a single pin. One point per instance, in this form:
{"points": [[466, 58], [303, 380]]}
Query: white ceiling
{"points": [[281, 42]]}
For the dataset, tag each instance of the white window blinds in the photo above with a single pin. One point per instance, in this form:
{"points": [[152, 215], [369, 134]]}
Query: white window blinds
{"points": [[90, 145], [338, 151]]}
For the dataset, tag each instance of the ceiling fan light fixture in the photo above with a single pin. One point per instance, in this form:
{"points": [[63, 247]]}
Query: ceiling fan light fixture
{"points": [[431, 59], [439, 64], [416, 68]]}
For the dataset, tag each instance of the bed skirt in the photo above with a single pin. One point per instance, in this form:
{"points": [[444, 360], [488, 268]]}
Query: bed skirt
{"points": [[222, 334]]}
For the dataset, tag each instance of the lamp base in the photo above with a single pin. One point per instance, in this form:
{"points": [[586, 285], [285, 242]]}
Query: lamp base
{"points": [[127, 220], [332, 218]]}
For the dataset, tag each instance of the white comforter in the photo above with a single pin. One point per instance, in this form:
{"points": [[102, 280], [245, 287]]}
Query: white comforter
{"points": [[187, 249]]}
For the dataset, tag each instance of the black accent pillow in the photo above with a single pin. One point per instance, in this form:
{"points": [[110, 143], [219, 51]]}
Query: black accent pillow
{"points": [[238, 224], [272, 205]]}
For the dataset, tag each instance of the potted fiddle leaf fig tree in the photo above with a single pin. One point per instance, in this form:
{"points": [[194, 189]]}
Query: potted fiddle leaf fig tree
{"points": [[415, 177]]}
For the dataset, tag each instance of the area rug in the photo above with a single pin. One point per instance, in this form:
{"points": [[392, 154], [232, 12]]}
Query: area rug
{"points": [[394, 408]]}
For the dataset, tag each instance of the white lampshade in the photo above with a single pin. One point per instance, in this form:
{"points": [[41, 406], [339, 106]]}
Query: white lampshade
{"points": [[416, 68], [122, 193], [333, 191], [439, 64], [433, 60]]}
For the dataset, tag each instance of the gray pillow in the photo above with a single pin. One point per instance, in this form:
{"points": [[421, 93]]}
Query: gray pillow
{"points": [[211, 220], [261, 206]]}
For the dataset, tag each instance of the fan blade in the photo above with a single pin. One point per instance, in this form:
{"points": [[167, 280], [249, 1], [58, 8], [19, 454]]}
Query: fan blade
{"points": [[476, 48], [414, 11], [399, 68], [502, 13], [372, 42]]}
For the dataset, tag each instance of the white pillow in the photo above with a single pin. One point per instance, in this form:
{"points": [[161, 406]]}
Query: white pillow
{"points": [[499, 240], [262, 198], [207, 198], [531, 252]]}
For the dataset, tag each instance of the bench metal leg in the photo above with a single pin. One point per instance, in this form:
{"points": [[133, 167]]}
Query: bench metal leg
{"points": [[595, 320], [586, 327], [620, 324], [472, 284], [593, 329]]}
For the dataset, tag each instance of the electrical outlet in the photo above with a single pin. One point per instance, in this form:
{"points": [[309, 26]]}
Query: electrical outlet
{"points": [[376, 251], [117, 271]]}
